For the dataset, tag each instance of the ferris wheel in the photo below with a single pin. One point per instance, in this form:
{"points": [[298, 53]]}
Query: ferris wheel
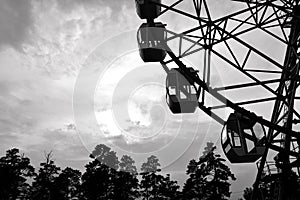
{"points": [[240, 40]]}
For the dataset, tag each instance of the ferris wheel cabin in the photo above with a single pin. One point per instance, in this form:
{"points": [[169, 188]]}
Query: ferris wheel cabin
{"points": [[242, 139], [181, 95], [148, 9], [151, 41]]}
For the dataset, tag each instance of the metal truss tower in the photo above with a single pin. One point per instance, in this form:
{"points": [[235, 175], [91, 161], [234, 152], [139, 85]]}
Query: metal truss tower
{"points": [[226, 38]]}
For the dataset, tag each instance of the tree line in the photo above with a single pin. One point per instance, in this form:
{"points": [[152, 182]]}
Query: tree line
{"points": [[106, 177]]}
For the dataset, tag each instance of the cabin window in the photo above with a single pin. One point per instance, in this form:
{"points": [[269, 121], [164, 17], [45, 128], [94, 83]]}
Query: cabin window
{"points": [[236, 139], [139, 36], [187, 88], [248, 131], [172, 90], [193, 90], [229, 135], [250, 145], [227, 148], [258, 131], [168, 100], [224, 134], [182, 95]]}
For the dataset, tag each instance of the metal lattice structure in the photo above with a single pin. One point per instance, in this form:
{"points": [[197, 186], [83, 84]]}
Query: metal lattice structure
{"points": [[225, 38]]}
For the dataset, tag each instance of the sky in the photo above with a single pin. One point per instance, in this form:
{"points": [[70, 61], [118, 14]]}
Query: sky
{"points": [[71, 78]]}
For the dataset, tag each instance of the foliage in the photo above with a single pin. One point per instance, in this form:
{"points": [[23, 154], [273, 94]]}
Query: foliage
{"points": [[67, 184], [126, 182], [43, 185], [269, 187], [107, 177], [100, 174], [127, 165], [248, 193], [208, 177], [105, 156], [155, 186], [15, 170], [152, 165], [209, 147]]}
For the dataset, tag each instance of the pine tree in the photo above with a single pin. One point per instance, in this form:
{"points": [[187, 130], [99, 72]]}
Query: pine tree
{"points": [[155, 186], [15, 171], [43, 185], [100, 175], [126, 183], [208, 177], [67, 184], [152, 165]]}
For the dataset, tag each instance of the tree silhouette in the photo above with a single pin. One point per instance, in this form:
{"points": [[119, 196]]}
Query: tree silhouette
{"points": [[209, 147], [208, 178], [152, 164], [148, 184], [105, 156], [127, 165], [126, 184], [264, 193], [43, 185], [67, 184], [15, 170], [168, 188], [269, 190], [106, 177], [101, 174], [248, 193], [155, 186]]}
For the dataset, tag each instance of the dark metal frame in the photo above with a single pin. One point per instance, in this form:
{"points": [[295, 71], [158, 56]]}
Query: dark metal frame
{"points": [[263, 15]]}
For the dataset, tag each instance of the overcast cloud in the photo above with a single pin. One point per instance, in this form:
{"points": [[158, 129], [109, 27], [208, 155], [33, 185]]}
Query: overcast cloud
{"points": [[43, 46]]}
